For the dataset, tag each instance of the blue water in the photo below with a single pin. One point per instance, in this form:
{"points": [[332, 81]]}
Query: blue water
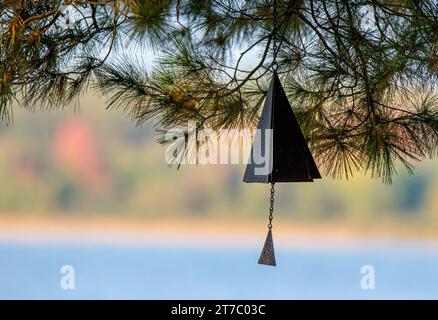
{"points": [[135, 272]]}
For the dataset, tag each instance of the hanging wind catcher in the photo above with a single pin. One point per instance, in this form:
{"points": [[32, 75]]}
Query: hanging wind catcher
{"points": [[287, 154]]}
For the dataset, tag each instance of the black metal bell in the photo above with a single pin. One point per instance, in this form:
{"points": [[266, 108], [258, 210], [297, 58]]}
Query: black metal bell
{"points": [[286, 157], [289, 157]]}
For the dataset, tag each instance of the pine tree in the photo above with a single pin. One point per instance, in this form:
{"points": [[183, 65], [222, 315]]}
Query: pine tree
{"points": [[361, 75]]}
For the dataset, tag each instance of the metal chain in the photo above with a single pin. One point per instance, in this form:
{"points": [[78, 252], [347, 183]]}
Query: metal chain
{"points": [[275, 30], [275, 65], [271, 208]]}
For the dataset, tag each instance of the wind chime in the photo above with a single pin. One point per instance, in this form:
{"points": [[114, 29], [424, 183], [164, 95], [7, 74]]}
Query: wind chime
{"points": [[281, 141]]}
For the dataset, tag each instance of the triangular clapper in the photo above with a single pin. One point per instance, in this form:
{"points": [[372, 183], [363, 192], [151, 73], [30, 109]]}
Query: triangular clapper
{"points": [[267, 257], [280, 154]]}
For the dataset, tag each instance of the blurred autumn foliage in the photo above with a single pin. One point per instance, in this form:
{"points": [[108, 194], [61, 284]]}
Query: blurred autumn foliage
{"points": [[96, 162]]}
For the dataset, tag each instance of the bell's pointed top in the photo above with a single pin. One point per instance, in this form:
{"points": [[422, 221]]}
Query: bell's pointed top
{"points": [[280, 152]]}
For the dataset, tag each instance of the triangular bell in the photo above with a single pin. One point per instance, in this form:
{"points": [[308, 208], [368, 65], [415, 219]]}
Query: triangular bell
{"points": [[284, 149]]}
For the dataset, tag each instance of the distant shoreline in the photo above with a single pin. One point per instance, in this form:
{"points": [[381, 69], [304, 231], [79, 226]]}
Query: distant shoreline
{"points": [[202, 232]]}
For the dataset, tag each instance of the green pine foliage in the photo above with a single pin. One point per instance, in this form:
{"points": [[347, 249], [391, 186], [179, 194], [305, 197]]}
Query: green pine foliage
{"points": [[361, 75]]}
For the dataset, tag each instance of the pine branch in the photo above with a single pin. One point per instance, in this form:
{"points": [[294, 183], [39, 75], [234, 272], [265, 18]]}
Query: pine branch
{"points": [[361, 75]]}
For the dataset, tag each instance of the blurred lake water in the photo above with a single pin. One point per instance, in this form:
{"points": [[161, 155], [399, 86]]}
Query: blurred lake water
{"points": [[32, 271]]}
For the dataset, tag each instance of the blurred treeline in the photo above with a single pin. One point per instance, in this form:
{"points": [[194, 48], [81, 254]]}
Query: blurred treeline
{"points": [[98, 162]]}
